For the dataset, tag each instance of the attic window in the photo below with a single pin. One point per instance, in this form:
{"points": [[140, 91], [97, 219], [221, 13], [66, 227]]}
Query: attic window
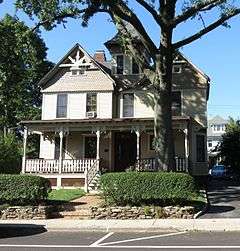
{"points": [[177, 69], [77, 72]]}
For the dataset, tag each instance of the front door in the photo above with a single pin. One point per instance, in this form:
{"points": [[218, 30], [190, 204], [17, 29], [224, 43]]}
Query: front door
{"points": [[125, 150]]}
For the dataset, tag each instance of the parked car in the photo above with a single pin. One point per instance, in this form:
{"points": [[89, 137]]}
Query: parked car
{"points": [[218, 171], [224, 172]]}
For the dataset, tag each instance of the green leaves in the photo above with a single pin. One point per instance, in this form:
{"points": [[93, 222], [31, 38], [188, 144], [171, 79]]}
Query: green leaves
{"points": [[137, 188], [22, 64]]}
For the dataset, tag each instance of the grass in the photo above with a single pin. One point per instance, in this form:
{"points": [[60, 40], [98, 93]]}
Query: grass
{"points": [[65, 195]]}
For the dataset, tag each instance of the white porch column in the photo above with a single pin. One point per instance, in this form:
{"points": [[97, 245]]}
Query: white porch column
{"points": [[60, 151], [186, 148], [25, 135], [98, 134], [138, 144]]}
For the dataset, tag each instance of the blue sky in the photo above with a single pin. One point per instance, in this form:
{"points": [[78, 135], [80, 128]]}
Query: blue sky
{"points": [[217, 54]]}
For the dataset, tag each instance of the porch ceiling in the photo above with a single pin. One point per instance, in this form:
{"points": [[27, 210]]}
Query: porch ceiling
{"points": [[106, 124]]}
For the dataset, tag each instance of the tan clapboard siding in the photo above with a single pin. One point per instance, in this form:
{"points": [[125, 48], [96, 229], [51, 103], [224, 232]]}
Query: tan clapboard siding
{"points": [[143, 105], [92, 80], [104, 104], [195, 104], [49, 106], [47, 149], [77, 105]]}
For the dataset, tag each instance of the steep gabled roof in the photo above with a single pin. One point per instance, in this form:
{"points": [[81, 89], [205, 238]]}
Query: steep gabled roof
{"points": [[67, 58]]}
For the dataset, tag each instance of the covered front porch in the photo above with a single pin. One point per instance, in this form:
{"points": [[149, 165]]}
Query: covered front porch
{"points": [[72, 153]]}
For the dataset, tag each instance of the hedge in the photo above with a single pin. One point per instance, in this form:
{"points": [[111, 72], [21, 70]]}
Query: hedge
{"points": [[137, 188], [23, 189]]}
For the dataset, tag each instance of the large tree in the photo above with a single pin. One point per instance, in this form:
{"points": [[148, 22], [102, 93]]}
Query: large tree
{"points": [[22, 64], [230, 145], [168, 15]]}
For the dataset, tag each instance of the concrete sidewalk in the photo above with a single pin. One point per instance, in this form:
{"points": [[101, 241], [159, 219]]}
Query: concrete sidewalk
{"points": [[215, 225]]}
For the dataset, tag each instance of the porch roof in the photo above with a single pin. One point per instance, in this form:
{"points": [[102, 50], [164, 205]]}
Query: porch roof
{"points": [[107, 124]]}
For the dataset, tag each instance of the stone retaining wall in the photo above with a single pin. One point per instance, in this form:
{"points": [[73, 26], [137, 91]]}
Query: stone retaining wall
{"points": [[25, 212], [146, 212]]}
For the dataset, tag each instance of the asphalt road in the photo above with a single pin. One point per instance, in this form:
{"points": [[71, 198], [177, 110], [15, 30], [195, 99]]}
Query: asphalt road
{"points": [[12, 239], [224, 197]]}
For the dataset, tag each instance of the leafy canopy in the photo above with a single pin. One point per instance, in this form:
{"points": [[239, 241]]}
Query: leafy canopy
{"points": [[22, 64], [230, 145]]}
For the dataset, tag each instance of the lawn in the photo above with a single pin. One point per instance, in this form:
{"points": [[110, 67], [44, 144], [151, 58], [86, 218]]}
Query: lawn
{"points": [[65, 194]]}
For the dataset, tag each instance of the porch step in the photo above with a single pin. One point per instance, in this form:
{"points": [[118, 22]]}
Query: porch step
{"points": [[82, 214], [94, 185]]}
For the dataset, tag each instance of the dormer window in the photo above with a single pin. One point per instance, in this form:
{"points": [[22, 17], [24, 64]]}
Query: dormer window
{"points": [[119, 64], [177, 69], [135, 67]]}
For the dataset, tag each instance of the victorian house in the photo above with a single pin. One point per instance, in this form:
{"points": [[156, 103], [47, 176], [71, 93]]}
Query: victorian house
{"points": [[98, 115]]}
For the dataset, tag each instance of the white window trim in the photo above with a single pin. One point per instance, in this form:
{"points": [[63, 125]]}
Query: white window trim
{"points": [[67, 105], [121, 104], [182, 94], [98, 104], [149, 143], [177, 72]]}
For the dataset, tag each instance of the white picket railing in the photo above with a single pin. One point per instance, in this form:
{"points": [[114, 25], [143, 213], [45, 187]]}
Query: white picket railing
{"points": [[150, 164], [77, 165], [42, 166], [53, 165]]}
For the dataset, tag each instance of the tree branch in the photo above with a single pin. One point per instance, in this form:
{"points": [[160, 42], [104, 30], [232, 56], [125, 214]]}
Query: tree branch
{"points": [[206, 30], [190, 12], [123, 12], [152, 11]]}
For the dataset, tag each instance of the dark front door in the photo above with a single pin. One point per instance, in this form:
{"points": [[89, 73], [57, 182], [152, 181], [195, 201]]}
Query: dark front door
{"points": [[125, 150]]}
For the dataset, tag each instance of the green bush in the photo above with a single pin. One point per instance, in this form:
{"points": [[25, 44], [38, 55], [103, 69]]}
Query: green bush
{"points": [[23, 189], [10, 154], [138, 188]]}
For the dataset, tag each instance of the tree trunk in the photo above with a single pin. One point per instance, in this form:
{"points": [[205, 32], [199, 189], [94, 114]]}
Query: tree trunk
{"points": [[164, 143]]}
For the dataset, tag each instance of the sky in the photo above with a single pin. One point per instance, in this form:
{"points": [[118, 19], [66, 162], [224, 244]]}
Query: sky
{"points": [[217, 54]]}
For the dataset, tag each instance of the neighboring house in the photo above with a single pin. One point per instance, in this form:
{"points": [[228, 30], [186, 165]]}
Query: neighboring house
{"points": [[98, 114], [216, 128]]}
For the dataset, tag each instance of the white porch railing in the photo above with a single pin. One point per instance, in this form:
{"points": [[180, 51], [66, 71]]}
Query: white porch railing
{"points": [[42, 166], [150, 164], [53, 165], [91, 173]]}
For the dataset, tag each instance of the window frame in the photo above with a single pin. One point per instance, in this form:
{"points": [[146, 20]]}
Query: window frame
{"points": [[133, 61], [150, 142], [177, 66], [203, 157], [181, 100], [123, 64], [58, 113], [133, 105], [87, 95]]}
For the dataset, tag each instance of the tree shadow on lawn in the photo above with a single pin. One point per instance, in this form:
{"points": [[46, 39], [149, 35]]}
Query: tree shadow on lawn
{"points": [[17, 230]]}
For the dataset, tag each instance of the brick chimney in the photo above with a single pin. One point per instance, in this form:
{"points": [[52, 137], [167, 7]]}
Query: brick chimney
{"points": [[99, 56]]}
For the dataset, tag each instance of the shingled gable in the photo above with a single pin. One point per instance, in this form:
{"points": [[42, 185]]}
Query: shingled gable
{"points": [[59, 78]]}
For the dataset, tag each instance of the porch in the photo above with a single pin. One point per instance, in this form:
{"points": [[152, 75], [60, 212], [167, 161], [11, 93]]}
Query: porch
{"points": [[70, 151]]}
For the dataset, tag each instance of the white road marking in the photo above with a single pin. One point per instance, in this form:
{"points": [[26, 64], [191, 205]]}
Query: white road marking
{"points": [[97, 243], [142, 238], [120, 247]]}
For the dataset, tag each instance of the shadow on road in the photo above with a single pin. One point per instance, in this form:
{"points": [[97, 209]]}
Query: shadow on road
{"points": [[220, 209], [13, 230]]}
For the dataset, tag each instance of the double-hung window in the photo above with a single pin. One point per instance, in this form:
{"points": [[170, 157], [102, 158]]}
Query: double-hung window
{"points": [[176, 103], [200, 145], [62, 100], [128, 105], [91, 102], [120, 63]]}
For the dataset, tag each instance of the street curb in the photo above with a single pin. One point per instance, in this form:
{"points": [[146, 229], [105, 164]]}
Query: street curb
{"points": [[206, 207], [158, 225]]}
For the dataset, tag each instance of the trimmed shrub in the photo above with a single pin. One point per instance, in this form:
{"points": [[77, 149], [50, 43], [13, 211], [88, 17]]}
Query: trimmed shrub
{"points": [[23, 189], [138, 188], [10, 154]]}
